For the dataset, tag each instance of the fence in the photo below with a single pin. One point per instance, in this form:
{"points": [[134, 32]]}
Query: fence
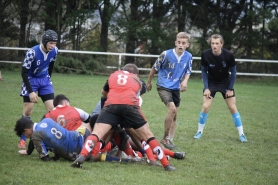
{"points": [[120, 55]]}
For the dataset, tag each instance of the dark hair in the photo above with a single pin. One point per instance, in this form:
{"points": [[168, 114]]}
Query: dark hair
{"points": [[49, 36], [21, 124], [132, 68], [59, 99]]}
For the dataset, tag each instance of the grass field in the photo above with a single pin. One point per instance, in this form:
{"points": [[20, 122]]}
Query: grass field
{"points": [[218, 158]]}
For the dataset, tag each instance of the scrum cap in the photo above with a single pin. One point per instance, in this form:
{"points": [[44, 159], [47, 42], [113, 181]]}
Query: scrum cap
{"points": [[48, 36]]}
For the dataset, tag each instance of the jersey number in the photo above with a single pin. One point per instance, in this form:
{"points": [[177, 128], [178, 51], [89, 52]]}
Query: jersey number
{"points": [[122, 79], [56, 133]]}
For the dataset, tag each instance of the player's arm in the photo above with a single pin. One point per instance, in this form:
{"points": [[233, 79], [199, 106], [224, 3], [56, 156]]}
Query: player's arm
{"points": [[24, 75], [154, 69], [51, 64], [84, 116], [50, 68], [40, 147]]}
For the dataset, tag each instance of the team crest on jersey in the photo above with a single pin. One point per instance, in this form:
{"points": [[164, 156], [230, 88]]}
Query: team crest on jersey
{"points": [[37, 70], [43, 125], [224, 63]]}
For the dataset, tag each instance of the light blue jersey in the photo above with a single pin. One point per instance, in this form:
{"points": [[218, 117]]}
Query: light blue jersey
{"points": [[171, 68], [49, 135], [37, 61]]}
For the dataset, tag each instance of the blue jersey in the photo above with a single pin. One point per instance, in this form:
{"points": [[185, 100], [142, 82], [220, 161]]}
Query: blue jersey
{"points": [[172, 68], [37, 61], [50, 136]]}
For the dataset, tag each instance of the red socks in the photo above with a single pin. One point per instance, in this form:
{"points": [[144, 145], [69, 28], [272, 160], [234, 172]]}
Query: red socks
{"points": [[158, 150], [148, 151], [87, 147], [128, 149]]}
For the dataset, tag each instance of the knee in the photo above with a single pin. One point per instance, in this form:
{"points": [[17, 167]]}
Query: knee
{"points": [[205, 108], [172, 110]]}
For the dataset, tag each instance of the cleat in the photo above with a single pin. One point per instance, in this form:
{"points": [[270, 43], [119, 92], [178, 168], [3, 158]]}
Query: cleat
{"points": [[243, 139], [167, 143], [179, 155], [22, 144], [198, 135], [78, 163], [136, 160], [169, 168], [153, 163]]}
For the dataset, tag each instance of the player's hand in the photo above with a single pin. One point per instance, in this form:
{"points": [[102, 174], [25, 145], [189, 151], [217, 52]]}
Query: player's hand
{"points": [[207, 93], [22, 152], [33, 97], [229, 93], [149, 86], [183, 87]]}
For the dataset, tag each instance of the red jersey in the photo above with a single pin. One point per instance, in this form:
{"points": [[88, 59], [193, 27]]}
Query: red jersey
{"points": [[124, 88], [68, 117]]}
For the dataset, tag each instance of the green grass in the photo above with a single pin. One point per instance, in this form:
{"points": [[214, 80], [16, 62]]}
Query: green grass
{"points": [[218, 158]]}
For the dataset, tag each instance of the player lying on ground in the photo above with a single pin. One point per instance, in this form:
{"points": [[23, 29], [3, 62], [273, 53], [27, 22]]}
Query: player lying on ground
{"points": [[48, 135]]}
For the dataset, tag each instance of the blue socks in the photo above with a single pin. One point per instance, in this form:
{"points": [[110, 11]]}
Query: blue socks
{"points": [[203, 118], [237, 119]]}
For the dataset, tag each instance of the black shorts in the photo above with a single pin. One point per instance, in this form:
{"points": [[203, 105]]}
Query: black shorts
{"points": [[130, 115], [167, 95], [219, 87], [44, 98]]}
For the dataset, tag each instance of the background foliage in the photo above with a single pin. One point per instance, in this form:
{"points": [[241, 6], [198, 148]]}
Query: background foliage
{"points": [[249, 28]]}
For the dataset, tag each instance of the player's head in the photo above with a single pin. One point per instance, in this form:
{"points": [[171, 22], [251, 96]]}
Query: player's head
{"points": [[182, 42], [216, 36], [49, 36], [60, 99], [183, 35], [22, 124], [132, 68]]}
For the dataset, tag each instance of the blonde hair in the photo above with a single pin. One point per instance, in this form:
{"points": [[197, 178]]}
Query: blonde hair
{"points": [[183, 35], [216, 36]]}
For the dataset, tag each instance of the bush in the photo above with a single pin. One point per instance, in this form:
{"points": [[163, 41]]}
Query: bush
{"points": [[71, 65]]}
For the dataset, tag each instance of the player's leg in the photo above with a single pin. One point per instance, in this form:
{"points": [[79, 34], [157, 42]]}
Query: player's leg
{"points": [[48, 101], [145, 133], [203, 116], [46, 92], [142, 147], [92, 144], [27, 109], [169, 126], [167, 98], [231, 103], [175, 155], [176, 100]]}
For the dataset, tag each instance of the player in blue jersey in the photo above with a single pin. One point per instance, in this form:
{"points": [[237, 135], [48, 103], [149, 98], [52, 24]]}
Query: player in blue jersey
{"points": [[216, 63], [47, 135], [174, 68], [36, 72]]}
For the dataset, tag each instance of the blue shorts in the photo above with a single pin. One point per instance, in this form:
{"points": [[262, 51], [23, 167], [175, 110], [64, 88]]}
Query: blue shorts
{"points": [[41, 85]]}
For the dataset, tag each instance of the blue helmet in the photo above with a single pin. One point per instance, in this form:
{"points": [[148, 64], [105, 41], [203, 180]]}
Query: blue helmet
{"points": [[48, 36]]}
